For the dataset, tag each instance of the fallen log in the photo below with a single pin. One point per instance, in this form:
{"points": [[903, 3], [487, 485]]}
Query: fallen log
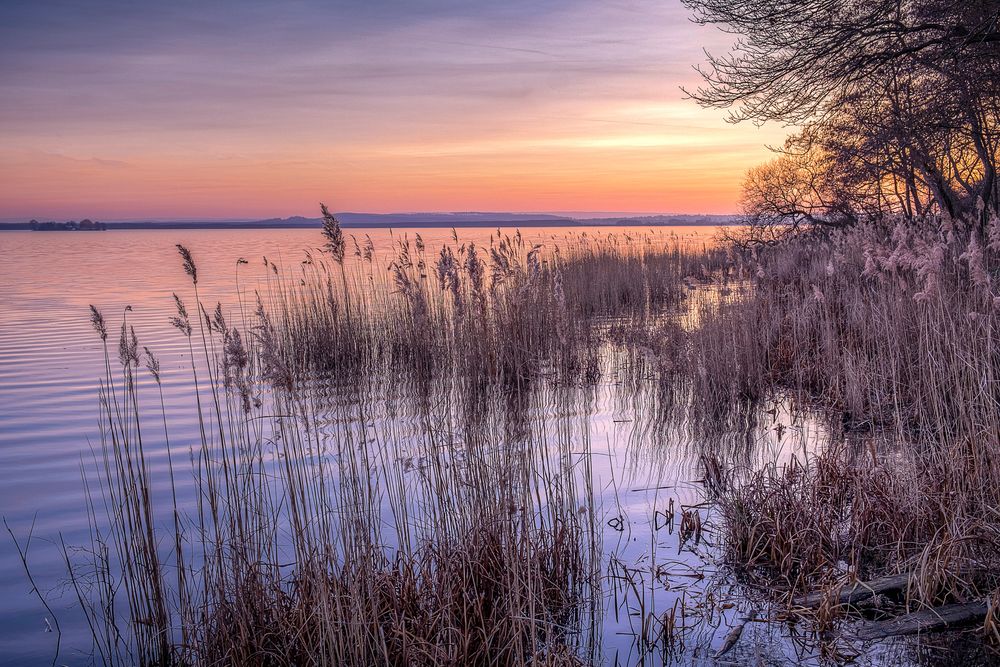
{"points": [[893, 585], [860, 591], [946, 617]]}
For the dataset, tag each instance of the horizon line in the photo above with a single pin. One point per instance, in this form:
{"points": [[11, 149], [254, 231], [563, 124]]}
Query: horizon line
{"points": [[571, 215]]}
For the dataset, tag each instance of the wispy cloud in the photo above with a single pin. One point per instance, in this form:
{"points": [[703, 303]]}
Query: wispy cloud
{"points": [[377, 93]]}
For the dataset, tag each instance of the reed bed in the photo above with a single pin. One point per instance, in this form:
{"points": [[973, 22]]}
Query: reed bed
{"points": [[506, 315], [293, 530], [302, 526], [307, 524], [890, 330]]}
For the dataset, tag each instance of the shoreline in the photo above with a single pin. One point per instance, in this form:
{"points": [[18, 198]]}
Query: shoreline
{"points": [[129, 226]]}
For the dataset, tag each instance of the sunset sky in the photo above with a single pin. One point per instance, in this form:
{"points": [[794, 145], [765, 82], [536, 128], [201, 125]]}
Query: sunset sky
{"points": [[133, 110]]}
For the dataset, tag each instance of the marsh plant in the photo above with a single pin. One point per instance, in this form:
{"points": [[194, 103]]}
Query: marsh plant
{"points": [[299, 526], [507, 313], [378, 473], [890, 329]]}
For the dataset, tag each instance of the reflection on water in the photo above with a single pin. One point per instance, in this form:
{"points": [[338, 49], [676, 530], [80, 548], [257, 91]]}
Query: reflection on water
{"points": [[643, 473]]}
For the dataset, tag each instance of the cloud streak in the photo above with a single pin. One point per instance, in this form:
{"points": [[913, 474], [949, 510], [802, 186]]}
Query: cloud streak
{"points": [[357, 102]]}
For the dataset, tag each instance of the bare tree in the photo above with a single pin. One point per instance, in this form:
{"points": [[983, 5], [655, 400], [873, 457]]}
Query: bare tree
{"points": [[898, 97], [796, 189]]}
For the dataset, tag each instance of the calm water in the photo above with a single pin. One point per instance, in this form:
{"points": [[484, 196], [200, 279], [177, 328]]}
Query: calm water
{"points": [[51, 361]]}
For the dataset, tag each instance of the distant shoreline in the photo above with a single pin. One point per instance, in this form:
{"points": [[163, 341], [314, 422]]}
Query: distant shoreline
{"points": [[409, 221]]}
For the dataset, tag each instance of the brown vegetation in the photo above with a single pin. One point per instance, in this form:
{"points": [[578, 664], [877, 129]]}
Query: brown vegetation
{"points": [[321, 536], [890, 330]]}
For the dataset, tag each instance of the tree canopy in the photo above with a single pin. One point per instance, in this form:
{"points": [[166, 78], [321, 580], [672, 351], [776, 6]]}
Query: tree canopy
{"points": [[897, 103]]}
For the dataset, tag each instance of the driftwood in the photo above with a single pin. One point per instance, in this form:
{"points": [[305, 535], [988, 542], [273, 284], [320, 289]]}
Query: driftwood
{"points": [[861, 591], [947, 617], [858, 592]]}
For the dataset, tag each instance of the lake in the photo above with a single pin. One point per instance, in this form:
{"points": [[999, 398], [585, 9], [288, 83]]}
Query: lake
{"points": [[51, 363]]}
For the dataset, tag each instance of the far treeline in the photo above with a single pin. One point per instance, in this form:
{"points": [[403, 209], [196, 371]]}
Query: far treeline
{"points": [[895, 103]]}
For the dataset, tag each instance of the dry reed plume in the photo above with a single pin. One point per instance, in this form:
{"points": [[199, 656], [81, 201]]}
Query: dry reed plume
{"points": [[310, 530]]}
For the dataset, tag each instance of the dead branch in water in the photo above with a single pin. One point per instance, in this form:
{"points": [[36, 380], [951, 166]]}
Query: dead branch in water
{"points": [[858, 592], [946, 617]]}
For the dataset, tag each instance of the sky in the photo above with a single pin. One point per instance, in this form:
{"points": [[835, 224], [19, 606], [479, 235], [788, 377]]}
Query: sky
{"points": [[125, 109]]}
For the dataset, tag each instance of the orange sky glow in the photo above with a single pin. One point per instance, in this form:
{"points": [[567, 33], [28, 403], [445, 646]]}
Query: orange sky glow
{"points": [[576, 108]]}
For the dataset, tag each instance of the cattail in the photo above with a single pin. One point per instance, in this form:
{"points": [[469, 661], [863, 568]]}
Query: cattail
{"points": [[334, 235], [97, 321], [188, 262]]}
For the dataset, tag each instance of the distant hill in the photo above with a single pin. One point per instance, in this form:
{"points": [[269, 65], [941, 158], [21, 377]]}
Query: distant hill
{"points": [[406, 220], [470, 219], [663, 220]]}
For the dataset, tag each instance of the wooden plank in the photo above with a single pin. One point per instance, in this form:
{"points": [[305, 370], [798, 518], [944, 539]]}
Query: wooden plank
{"points": [[946, 617]]}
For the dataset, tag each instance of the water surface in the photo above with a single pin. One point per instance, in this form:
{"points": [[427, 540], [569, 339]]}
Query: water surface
{"points": [[51, 362]]}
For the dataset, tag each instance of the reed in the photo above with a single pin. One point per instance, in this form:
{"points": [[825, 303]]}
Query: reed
{"points": [[890, 331], [308, 523], [504, 315], [299, 534]]}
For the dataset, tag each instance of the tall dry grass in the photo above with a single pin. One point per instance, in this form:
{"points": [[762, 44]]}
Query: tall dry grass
{"points": [[309, 527], [299, 527], [506, 315], [891, 330]]}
